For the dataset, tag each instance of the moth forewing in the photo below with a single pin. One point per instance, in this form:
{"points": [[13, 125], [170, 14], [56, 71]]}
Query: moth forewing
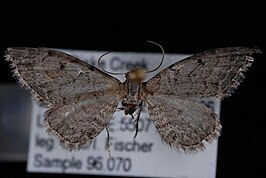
{"points": [[214, 73]]}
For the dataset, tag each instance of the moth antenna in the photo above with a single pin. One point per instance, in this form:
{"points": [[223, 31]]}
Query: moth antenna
{"points": [[112, 73], [162, 59], [123, 73]]}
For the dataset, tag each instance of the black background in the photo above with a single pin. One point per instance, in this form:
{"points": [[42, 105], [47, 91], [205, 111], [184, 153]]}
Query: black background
{"points": [[179, 28]]}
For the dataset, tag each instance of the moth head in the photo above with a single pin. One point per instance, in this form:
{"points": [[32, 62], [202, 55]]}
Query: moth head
{"points": [[136, 75]]}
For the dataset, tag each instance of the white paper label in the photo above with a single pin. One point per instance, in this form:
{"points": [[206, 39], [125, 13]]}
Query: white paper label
{"points": [[145, 156]]}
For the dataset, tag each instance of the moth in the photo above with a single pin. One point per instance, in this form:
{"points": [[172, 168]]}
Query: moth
{"points": [[81, 98]]}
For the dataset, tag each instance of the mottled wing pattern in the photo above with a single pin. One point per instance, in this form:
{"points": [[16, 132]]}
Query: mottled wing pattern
{"points": [[183, 124], [82, 122], [212, 73], [80, 97], [56, 78]]}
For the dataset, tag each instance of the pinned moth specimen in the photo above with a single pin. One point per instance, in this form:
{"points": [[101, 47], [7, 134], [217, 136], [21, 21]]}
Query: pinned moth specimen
{"points": [[81, 98]]}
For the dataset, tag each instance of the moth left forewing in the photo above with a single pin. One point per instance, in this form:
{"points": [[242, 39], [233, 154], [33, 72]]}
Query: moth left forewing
{"points": [[183, 124], [214, 73], [56, 78]]}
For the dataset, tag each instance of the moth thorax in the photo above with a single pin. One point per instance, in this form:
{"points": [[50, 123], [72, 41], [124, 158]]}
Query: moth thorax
{"points": [[136, 75]]}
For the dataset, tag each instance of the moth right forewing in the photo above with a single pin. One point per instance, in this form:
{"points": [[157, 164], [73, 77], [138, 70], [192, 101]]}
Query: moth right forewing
{"points": [[210, 73], [56, 78]]}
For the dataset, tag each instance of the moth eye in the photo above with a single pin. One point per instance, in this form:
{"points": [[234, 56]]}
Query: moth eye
{"points": [[126, 75]]}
